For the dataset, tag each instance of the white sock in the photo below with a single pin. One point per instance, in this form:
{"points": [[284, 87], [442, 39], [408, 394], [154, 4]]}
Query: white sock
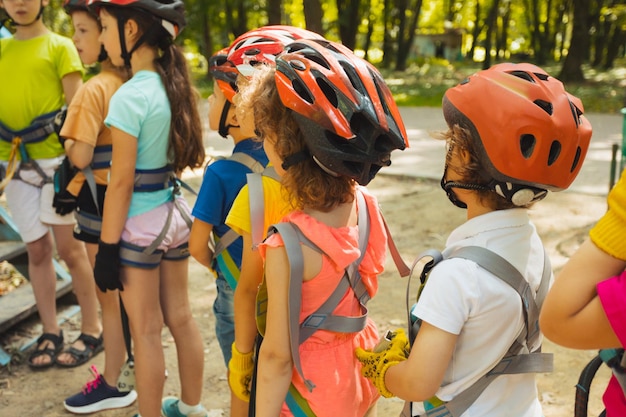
{"points": [[188, 409]]}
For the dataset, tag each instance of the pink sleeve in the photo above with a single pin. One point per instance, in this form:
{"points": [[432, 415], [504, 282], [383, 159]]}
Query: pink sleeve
{"points": [[612, 294]]}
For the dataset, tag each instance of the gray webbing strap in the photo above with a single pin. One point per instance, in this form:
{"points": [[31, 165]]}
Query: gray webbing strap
{"points": [[153, 179], [39, 129], [322, 318], [257, 203], [91, 183], [88, 223], [229, 237], [513, 362]]}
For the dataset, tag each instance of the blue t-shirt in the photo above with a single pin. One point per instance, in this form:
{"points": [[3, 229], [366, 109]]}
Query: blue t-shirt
{"points": [[140, 107], [221, 183]]}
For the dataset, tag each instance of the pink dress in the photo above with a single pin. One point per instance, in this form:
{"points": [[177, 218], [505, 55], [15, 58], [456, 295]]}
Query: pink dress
{"points": [[328, 358], [612, 294]]}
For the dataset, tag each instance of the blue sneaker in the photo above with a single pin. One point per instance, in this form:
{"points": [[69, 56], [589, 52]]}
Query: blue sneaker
{"points": [[169, 408], [97, 395]]}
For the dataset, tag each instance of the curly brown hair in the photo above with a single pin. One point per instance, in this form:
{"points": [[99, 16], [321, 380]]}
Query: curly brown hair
{"points": [[459, 139], [306, 183]]}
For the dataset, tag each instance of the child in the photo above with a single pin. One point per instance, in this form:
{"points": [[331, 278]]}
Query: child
{"points": [[514, 133], [224, 178], [44, 70], [586, 306], [245, 53], [88, 146], [156, 133], [323, 142]]}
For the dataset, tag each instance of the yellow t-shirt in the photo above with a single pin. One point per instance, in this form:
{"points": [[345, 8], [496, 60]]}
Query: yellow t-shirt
{"points": [[85, 120], [608, 233], [31, 72], [275, 207]]}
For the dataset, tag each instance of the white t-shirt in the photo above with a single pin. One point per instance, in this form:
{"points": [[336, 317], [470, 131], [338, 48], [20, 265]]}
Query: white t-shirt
{"points": [[462, 298]]}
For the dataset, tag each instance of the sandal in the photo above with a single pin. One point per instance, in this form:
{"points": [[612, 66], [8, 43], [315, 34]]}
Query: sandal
{"points": [[52, 352], [93, 346]]}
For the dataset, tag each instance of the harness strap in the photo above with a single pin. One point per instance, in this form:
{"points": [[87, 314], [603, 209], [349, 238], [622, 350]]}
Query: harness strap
{"points": [[89, 223], [39, 129], [322, 318], [257, 203], [514, 361], [147, 180]]}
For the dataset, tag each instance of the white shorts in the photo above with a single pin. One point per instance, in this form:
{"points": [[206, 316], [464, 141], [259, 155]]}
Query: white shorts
{"points": [[31, 206]]}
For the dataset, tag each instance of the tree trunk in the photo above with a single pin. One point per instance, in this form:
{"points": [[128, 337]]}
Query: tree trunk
{"points": [[475, 32], [313, 15], [207, 40], [490, 23], [349, 19], [403, 53], [274, 12], [387, 40], [579, 44]]}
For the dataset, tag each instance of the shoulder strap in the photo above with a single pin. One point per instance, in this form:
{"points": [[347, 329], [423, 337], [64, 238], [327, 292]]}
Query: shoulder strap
{"points": [[247, 160], [514, 361], [322, 318], [257, 203]]}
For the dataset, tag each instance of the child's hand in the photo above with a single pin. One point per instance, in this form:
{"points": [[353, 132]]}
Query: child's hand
{"points": [[376, 364], [240, 369], [64, 202], [107, 268]]}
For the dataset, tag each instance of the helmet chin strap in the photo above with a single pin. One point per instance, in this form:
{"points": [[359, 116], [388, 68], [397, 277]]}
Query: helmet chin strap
{"points": [[224, 128]]}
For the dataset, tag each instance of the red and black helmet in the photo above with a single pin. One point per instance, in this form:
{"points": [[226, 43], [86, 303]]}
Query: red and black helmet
{"points": [[345, 111], [170, 13], [262, 45], [530, 131], [225, 73]]}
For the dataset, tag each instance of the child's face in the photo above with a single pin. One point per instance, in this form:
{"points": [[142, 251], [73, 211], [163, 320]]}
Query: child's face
{"points": [[86, 34], [23, 11], [110, 38], [216, 104]]}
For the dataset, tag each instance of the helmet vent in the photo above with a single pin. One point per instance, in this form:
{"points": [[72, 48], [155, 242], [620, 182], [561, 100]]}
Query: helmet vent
{"points": [[542, 77], [302, 90], [555, 151], [576, 113], [576, 159], [329, 91], [545, 106], [253, 51], [318, 60], [523, 75], [527, 145], [353, 77]]}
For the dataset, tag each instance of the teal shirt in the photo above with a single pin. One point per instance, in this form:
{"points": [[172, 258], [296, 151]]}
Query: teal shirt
{"points": [[140, 108]]}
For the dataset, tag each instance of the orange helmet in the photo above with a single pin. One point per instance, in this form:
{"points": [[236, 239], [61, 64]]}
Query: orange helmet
{"points": [[224, 73], [345, 111], [530, 131]]}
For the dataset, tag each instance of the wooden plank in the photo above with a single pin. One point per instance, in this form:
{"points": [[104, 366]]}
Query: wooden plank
{"points": [[20, 303]]}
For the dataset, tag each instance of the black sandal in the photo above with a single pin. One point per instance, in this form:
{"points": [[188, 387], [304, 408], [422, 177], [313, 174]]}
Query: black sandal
{"points": [[52, 352], [93, 346]]}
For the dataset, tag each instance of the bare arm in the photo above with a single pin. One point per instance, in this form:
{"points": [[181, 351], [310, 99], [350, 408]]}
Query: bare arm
{"points": [[245, 296], [572, 314], [199, 242], [120, 189], [420, 376], [71, 83], [275, 361], [80, 153]]}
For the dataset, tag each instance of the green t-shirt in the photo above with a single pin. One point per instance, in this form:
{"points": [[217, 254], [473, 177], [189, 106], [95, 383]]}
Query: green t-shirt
{"points": [[31, 72]]}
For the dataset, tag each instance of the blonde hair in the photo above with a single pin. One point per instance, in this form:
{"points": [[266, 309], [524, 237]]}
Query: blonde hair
{"points": [[305, 182]]}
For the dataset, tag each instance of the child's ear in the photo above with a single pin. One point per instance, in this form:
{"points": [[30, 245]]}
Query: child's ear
{"points": [[131, 29], [232, 117]]}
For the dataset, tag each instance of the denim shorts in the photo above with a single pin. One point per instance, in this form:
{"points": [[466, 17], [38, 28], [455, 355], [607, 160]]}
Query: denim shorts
{"points": [[224, 310]]}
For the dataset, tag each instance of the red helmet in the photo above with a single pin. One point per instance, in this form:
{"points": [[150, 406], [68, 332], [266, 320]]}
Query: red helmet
{"points": [[531, 131], [224, 73], [262, 45], [345, 110], [170, 13]]}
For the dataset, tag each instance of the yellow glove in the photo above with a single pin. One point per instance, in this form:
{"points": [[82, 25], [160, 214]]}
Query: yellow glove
{"points": [[376, 364], [240, 369]]}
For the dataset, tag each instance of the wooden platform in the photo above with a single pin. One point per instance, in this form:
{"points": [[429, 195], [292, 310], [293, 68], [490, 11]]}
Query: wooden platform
{"points": [[20, 303]]}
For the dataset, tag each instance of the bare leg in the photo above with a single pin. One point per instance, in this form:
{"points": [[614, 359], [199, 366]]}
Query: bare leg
{"points": [[141, 299], [73, 252], [177, 314], [43, 280]]}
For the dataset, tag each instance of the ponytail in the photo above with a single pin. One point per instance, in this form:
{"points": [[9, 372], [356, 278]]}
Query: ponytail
{"points": [[185, 148]]}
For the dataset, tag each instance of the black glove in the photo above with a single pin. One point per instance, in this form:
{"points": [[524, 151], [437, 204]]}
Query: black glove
{"points": [[64, 202], [107, 268]]}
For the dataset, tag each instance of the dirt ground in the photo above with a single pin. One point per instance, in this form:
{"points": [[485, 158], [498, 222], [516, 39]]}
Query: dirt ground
{"points": [[420, 217]]}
